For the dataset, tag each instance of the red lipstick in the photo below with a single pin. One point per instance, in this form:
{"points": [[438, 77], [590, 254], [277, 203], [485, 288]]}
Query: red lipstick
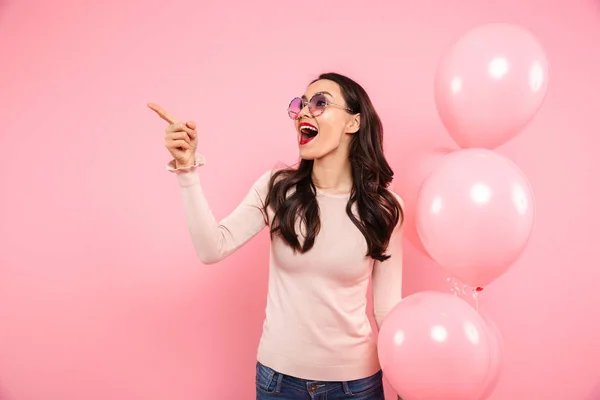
{"points": [[306, 124], [307, 132]]}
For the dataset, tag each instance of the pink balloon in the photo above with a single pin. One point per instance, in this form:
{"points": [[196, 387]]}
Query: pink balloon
{"points": [[490, 84], [496, 359], [475, 215], [433, 346]]}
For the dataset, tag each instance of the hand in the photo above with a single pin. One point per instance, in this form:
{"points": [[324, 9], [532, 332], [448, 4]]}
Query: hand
{"points": [[181, 139]]}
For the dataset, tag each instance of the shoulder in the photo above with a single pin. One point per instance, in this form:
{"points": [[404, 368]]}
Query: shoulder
{"points": [[277, 173], [263, 181], [402, 212], [397, 196], [265, 177]]}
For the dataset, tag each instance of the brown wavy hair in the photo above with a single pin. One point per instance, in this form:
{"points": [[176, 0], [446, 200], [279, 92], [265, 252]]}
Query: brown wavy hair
{"points": [[378, 209]]}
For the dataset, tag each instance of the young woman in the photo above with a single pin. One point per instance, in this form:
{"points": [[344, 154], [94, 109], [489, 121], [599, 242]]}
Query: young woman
{"points": [[334, 227]]}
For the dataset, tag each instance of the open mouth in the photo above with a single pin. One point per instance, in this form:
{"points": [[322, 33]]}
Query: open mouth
{"points": [[307, 132]]}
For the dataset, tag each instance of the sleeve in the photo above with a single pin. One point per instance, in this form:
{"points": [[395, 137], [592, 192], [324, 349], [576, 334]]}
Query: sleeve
{"points": [[387, 276], [215, 240]]}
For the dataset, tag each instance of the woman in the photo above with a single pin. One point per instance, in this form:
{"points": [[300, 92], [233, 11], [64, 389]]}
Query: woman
{"points": [[334, 227]]}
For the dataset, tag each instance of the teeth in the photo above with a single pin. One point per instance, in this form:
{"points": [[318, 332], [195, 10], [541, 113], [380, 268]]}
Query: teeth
{"points": [[307, 128]]}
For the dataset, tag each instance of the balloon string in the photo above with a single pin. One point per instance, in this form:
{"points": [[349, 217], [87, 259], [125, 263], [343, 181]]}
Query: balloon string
{"points": [[475, 295]]}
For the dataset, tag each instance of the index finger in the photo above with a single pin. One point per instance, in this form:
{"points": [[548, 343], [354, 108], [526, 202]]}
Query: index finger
{"points": [[162, 113]]}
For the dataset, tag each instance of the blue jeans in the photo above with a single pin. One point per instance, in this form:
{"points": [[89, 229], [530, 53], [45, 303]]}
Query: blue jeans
{"points": [[272, 385]]}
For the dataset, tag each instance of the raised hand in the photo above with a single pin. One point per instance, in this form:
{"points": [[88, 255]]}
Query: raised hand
{"points": [[181, 139]]}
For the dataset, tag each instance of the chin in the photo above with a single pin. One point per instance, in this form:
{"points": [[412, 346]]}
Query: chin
{"points": [[310, 154], [307, 156], [315, 153]]}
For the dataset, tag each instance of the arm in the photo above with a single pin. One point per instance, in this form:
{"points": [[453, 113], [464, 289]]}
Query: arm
{"points": [[215, 240], [387, 277]]}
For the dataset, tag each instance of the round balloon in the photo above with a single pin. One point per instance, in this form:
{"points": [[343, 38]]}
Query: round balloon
{"points": [[433, 346], [475, 215], [490, 84]]}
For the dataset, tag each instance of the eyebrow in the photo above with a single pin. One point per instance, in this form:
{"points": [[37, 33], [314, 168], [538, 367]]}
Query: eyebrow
{"points": [[327, 93]]}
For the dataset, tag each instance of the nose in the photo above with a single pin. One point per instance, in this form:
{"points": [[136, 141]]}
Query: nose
{"points": [[304, 112]]}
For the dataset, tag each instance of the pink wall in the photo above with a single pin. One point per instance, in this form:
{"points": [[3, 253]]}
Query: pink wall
{"points": [[100, 293]]}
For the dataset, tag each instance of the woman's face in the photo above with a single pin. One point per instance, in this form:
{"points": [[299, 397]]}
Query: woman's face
{"points": [[329, 131]]}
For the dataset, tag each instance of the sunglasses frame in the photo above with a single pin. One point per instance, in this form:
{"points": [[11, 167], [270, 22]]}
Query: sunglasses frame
{"points": [[307, 103]]}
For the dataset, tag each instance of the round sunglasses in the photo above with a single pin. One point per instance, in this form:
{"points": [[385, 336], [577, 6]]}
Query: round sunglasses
{"points": [[316, 105]]}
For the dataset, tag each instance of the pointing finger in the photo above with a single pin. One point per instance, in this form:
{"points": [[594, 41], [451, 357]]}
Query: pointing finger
{"points": [[162, 113]]}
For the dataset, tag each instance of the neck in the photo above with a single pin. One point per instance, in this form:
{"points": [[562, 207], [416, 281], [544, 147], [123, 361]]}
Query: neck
{"points": [[333, 173]]}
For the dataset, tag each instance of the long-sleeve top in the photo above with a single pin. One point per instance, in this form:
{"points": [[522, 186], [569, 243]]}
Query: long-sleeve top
{"points": [[316, 325]]}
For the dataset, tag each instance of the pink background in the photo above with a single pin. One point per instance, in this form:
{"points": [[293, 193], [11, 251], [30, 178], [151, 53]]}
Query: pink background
{"points": [[101, 296]]}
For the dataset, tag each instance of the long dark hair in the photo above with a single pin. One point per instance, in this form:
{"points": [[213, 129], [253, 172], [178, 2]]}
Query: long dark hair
{"points": [[378, 209]]}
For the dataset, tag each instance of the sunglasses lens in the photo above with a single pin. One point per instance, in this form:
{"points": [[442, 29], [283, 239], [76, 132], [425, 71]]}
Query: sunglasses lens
{"points": [[317, 104], [295, 107]]}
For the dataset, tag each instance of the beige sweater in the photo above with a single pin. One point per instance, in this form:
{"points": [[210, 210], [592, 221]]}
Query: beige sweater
{"points": [[316, 324]]}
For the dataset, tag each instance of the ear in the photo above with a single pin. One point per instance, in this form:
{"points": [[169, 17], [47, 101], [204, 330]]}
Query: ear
{"points": [[354, 124]]}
